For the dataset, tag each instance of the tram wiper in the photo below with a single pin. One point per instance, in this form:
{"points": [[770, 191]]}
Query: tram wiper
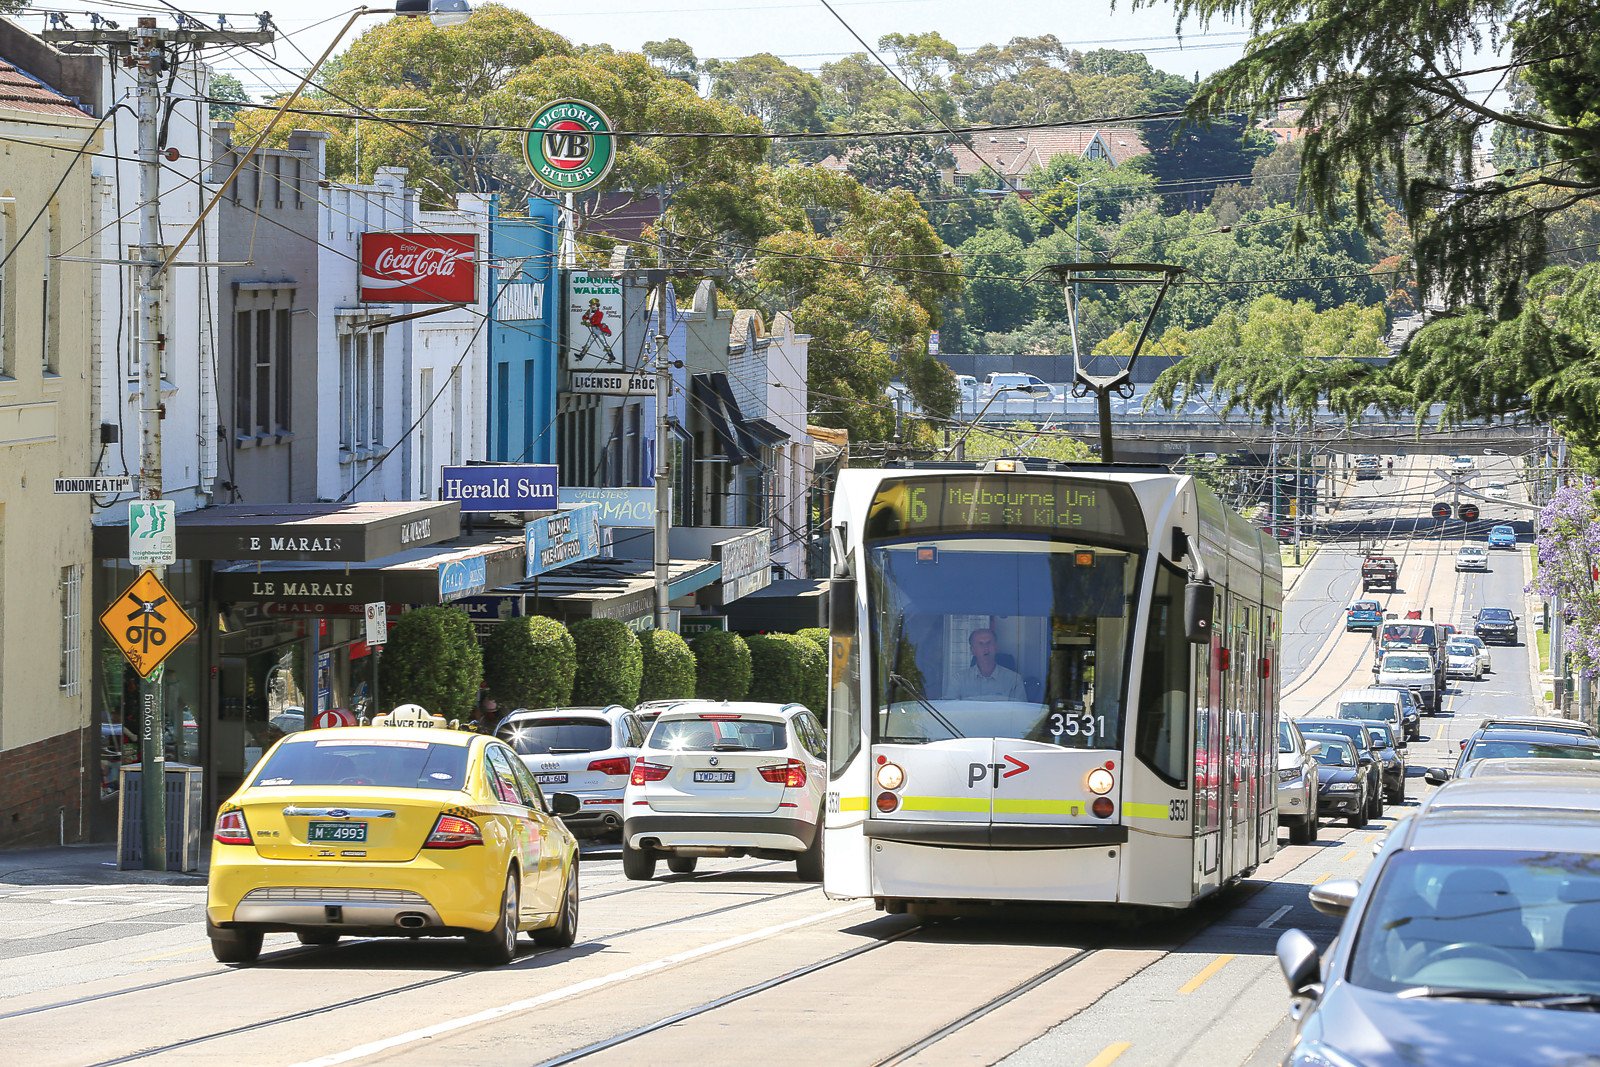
{"points": [[905, 684]]}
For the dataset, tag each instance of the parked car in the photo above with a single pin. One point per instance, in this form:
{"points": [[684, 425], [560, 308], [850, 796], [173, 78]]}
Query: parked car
{"points": [[1379, 572], [1376, 705], [1409, 669], [1368, 469], [1497, 624], [1297, 783], [1023, 383], [744, 778], [1501, 743], [1363, 615], [1472, 558], [588, 752], [1355, 732], [966, 388], [1478, 645], [1411, 711], [1549, 723], [1471, 940], [1480, 768], [1462, 661], [1502, 536], [1392, 761], [1342, 781]]}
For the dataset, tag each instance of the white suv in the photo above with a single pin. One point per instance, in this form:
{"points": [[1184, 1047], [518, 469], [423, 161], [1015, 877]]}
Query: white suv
{"points": [[1297, 783], [727, 779], [588, 752]]}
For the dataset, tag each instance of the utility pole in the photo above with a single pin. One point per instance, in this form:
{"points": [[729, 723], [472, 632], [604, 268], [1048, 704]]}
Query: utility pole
{"points": [[663, 552], [1297, 496], [146, 46]]}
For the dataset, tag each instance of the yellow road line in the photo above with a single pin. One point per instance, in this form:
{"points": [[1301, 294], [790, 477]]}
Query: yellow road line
{"points": [[1348, 856], [1205, 974], [1110, 1054], [1322, 878]]}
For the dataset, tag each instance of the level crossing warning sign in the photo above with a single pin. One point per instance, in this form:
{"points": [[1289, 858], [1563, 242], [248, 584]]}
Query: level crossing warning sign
{"points": [[146, 623]]}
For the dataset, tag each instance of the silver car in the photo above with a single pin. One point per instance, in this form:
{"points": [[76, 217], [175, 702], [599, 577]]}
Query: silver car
{"points": [[588, 752], [1297, 783]]}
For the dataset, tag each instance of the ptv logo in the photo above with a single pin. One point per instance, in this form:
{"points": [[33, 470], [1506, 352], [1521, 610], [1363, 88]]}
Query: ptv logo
{"points": [[977, 772]]}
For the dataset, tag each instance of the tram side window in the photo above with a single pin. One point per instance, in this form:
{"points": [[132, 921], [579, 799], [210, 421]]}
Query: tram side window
{"points": [[1161, 741]]}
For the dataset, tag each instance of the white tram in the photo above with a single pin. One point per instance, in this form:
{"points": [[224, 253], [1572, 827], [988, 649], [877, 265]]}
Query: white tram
{"points": [[1051, 682]]}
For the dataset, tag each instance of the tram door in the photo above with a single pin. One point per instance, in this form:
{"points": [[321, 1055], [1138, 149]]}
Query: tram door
{"points": [[1208, 690]]}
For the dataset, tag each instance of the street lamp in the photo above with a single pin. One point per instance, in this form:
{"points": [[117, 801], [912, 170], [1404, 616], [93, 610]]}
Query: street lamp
{"points": [[1031, 390], [439, 12]]}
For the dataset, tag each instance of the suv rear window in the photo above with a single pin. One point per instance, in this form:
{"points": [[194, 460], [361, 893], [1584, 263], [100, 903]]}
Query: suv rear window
{"points": [[1366, 709], [389, 764], [719, 735], [556, 737]]}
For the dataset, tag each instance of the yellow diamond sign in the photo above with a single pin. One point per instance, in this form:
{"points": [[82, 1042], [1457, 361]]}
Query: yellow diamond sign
{"points": [[146, 623]]}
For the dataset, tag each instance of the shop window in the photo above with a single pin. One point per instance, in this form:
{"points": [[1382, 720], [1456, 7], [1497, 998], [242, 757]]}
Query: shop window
{"points": [[71, 608]]}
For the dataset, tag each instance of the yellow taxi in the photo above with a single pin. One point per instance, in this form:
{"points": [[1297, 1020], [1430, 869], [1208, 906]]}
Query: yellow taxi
{"points": [[404, 828]]}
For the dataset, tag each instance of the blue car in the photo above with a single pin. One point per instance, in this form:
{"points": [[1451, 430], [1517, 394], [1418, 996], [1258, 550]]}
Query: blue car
{"points": [[1502, 536], [1363, 615]]}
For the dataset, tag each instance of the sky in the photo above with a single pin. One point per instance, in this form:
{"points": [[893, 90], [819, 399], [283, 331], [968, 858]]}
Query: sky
{"points": [[800, 31]]}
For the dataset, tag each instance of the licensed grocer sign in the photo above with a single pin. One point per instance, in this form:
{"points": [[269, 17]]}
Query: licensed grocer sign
{"points": [[569, 146]]}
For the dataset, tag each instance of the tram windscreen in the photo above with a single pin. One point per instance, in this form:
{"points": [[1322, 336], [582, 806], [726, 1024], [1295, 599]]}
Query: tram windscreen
{"points": [[990, 635]]}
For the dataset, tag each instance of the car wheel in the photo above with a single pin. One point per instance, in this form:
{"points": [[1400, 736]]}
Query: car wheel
{"points": [[1297, 832], [319, 938], [1361, 819], [1399, 795], [809, 864], [1313, 826], [234, 946], [499, 945], [565, 932], [681, 864], [638, 864], [1376, 808]]}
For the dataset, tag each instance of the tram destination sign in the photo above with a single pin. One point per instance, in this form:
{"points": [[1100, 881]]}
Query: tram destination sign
{"points": [[907, 507]]}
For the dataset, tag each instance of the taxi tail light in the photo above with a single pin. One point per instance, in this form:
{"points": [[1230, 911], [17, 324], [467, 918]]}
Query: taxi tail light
{"points": [[648, 772], [791, 774], [612, 765], [452, 831], [232, 829]]}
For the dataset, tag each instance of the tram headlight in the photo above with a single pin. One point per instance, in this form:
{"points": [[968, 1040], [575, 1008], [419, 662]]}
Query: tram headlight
{"points": [[1100, 781], [890, 776]]}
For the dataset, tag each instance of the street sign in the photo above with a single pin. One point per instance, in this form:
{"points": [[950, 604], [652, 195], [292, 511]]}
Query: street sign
{"points": [[692, 626], [146, 623], [327, 720], [152, 533], [612, 384], [569, 146], [378, 623], [100, 486]]}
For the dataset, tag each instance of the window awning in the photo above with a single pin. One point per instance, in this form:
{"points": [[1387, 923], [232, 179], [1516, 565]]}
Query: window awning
{"points": [[313, 533], [721, 411], [436, 574], [765, 432]]}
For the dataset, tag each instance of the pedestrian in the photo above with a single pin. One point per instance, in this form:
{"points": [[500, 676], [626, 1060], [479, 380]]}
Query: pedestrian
{"points": [[487, 716]]}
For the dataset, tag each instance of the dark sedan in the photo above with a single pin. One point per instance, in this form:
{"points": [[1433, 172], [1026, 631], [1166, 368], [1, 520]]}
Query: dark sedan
{"points": [[1520, 744], [1357, 734], [1341, 781], [1392, 760]]}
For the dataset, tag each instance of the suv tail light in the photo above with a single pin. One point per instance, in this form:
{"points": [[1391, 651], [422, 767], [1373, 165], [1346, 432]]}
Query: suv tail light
{"points": [[452, 831], [232, 829], [648, 772], [792, 774], [612, 765]]}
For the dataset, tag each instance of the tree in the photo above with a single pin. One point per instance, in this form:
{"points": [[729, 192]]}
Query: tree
{"points": [[785, 99], [675, 59], [722, 666], [610, 663], [530, 662], [669, 667], [433, 659], [227, 87]]}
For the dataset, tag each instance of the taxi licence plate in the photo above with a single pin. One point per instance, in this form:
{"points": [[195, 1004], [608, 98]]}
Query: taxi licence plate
{"points": [[550, 779], [337, 831], [713, 776]]}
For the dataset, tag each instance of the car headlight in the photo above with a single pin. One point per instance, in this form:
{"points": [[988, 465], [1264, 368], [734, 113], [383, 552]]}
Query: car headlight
{"points": [[1342, 787], [1288, 775]]}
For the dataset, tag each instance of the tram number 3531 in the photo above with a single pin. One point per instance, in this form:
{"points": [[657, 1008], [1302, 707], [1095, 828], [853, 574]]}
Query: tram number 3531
{"points": [[1178, 811]]}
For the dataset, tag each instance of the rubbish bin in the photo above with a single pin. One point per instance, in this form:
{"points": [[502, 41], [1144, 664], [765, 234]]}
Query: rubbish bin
{"points": [[183, 818]]}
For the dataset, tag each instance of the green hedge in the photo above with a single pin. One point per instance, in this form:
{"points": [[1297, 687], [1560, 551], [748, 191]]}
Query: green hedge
{"points": [[817, 635], [788, 668], [722, 666], [432, 659], [530, 662], [610, 663], [669, 667]]}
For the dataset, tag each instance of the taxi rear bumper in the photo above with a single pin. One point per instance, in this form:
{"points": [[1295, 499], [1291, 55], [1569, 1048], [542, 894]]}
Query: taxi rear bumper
{"points": [[309, 906]]}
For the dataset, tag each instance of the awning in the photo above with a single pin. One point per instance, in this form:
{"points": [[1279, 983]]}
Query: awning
{"points": [[323, 533], [782, 607], [765, 432], [721, 412], [610, 589], [436, 574]]}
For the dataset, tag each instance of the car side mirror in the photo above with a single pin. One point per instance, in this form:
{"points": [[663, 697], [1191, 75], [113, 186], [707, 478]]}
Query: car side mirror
{"points": [[564, 804], [1199, 604], [1334, 898], [1297, 956], [1364, 759], [1313, 747], [1436, 776]]}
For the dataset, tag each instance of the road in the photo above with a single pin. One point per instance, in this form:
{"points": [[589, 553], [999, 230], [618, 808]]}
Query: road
{"points": [[740, 962]]}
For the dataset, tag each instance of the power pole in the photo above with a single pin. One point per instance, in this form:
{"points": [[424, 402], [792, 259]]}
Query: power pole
{"points": [[146, 46], [663, 552], [1297, 498]]}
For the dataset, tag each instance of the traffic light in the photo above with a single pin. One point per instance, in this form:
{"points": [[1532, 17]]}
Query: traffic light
{"points": [[1467, 512], [1441, 510]]}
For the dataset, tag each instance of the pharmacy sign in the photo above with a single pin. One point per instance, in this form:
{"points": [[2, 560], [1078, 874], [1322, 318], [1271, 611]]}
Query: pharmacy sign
{"points": [[569, 146]]}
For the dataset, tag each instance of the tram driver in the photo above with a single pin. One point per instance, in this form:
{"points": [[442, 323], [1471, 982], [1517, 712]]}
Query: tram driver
{"points": [[985, 678]]}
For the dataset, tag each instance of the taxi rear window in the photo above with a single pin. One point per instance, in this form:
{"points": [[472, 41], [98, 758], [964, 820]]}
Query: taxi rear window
{"points": [[393, 764]]}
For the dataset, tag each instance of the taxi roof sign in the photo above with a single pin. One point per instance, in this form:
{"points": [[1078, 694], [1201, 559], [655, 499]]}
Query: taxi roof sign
{"points": [[412, 715], [146, 623]]}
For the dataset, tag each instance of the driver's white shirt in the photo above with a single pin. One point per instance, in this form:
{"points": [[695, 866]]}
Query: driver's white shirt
{"points": [[1001, 684]]}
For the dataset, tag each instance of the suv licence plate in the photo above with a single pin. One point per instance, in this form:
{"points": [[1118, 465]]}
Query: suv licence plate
{"points": [[713, 776], [337, 831], [550, 779]]}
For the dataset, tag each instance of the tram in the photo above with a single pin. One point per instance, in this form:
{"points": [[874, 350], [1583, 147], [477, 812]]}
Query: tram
{"points": [[1050, 682]]}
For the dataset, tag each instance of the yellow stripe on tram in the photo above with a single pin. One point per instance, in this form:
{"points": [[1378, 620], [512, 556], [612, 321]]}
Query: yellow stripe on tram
{"points": [[974, 804], [1146, 811], [852, 803], [1038, 807]]}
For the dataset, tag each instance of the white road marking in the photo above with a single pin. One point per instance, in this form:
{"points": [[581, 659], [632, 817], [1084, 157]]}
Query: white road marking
{"points": [[372, 1048], [1274, 917]]}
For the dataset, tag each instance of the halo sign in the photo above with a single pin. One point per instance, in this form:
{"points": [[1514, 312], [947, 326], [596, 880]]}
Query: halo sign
{"points": [[569, 146]]}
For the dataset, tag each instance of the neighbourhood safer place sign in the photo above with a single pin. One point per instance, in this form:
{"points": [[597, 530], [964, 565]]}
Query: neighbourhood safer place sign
{"points": [[569, 146]]}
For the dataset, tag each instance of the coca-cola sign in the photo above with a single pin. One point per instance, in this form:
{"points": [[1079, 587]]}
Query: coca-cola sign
{"points": [[419, 268]]}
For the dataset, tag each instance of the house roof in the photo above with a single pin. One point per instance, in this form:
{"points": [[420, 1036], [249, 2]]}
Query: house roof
{"points": [[1015, 152], [21, 91]]}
